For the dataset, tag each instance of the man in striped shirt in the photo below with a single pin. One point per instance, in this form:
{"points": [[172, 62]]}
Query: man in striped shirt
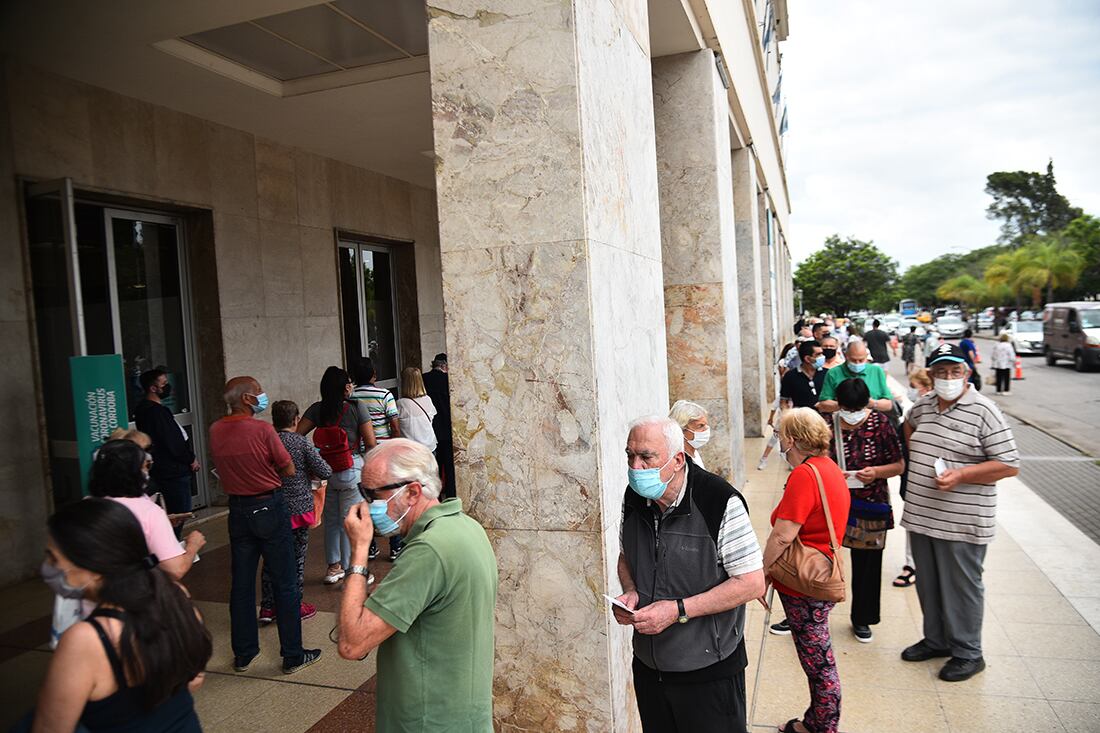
{"points": [[959, 447], [688, 563]]}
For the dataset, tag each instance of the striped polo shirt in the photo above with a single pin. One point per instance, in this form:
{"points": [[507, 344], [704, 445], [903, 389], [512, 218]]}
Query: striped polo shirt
{"points": [[380, 404], [970, 431]]}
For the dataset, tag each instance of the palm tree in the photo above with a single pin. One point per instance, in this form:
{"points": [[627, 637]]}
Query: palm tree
{"points": [[1004, 273], [1054, 264], [964, 289]]}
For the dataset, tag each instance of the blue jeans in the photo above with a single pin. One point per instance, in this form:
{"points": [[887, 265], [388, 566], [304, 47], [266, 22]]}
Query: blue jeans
{"points": [[342, 494], [260, 526]]}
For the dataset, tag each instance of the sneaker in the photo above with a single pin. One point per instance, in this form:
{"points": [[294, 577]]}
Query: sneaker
{"points": [[957, 670], [783, 628], [920, 651], [240, 664], [334, 574], [762, 465], [863, 633], [395, 551], [309, 656], [373, 551], [307, 610], [267, 615]]}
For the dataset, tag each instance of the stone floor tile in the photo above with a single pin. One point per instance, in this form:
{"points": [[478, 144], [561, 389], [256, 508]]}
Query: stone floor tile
{"points": [[1018, 608], [1058, 641], [868, 667], [1017, 582], [1089, 608], [1003, 675], [995, 640], [981, 714], [1078, 717], [355, 713], [222, 695], [283, 707], [22, 675], [893, 634], [867, 710], [1070, 680]]}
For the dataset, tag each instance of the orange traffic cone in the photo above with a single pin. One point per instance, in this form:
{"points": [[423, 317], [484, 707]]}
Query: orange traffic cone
{"points": [[1019, 368]]}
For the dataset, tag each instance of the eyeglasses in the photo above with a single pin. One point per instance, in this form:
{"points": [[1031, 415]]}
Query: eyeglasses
{"points": [[371, 494]]}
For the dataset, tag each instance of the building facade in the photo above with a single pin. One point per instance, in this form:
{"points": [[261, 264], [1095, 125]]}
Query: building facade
{"points": [[583, 203]]}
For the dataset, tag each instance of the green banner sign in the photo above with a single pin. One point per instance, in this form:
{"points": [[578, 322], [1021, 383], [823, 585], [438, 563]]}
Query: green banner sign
{"points": [[99, 401]]}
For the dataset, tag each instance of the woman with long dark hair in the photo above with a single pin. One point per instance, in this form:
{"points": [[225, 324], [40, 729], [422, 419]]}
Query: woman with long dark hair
{"points": [[344, 434], [132, 664]]}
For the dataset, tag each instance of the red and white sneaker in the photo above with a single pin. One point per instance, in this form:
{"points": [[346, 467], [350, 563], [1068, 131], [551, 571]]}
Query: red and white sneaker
{"points": [[267, 615], [307, 610]]}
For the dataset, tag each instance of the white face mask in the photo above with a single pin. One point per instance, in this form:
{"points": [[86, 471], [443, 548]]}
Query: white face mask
{"points": [[702, 437], [852, 418], [950, 389], [914, 395]]}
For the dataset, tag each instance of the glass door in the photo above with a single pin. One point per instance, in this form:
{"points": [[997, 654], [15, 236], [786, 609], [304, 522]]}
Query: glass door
{"points": [[368, 306], [150, 309]]}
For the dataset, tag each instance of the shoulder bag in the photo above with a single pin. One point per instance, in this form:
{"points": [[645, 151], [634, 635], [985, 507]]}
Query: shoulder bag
{"points": [[809, 571]]}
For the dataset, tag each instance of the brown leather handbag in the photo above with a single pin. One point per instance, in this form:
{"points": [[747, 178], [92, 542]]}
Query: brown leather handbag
{"points": [[809, 571]]}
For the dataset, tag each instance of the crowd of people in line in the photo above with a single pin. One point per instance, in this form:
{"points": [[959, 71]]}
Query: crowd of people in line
{"points": [[362, 463]]}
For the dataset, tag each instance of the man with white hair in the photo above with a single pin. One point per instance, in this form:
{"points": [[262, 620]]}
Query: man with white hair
{"points": [[689, 562], [432, 616]]}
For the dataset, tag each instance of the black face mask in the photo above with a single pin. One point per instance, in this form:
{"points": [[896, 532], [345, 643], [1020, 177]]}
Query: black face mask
{"points": [[829, 353], [166, 390]]}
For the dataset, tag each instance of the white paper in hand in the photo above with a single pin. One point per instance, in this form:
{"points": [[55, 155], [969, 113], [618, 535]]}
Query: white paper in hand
{"points": [[617, 602], [940, 466]]}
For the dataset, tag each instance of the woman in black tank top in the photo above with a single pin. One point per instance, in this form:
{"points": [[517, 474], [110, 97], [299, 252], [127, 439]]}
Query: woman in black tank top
{"points": [[118, 671]]}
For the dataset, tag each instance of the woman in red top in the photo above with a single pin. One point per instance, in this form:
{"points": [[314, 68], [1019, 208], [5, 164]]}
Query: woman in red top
{"points": [[804, 438]]}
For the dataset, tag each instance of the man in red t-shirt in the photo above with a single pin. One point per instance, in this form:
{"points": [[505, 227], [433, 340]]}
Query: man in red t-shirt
{"points": [[251, 462]]}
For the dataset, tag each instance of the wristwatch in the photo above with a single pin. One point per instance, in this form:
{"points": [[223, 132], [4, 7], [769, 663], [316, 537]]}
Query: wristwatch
{"points": [[683, 618], [361, 570]]}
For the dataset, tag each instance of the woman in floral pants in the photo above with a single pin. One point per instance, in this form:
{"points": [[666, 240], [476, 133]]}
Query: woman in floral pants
{"points": [[804, 439]]}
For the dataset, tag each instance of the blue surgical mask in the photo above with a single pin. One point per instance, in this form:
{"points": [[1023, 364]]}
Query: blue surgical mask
{"points": [[819, 361], [857, 368], [647, 482], [261, 403], [384, 524]]}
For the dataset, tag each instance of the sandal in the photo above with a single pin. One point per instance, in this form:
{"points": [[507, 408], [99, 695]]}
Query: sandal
{"points": [[907, 577]]}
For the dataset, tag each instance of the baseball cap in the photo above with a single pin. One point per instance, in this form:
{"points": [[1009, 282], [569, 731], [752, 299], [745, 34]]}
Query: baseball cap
{"points": [[947, 353]]}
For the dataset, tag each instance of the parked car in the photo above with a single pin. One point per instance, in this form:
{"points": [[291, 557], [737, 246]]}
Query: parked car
{"points": [[890, 323], [985, 320], [951, 326], [1030, 316], [1026, 336], [907, 323], [924, 317], [1072, 331], [939, 313]]}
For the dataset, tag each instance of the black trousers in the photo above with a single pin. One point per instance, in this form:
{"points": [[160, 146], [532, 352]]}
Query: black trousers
{"points": [[1004, 379], [866, 586], [717, 706]]}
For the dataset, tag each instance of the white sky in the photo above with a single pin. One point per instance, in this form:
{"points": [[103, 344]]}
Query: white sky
{"points": [[898, 112]]}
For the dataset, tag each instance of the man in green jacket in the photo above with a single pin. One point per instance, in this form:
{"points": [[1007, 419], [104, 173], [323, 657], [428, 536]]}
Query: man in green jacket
{"points": [[856, 366]]}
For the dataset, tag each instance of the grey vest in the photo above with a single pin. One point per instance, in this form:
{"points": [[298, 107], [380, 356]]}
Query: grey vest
{"points": [[676, 556]]}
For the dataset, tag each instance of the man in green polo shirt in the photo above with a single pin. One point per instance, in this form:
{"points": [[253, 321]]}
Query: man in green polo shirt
{"points": [[432, 616], [856, 366]]}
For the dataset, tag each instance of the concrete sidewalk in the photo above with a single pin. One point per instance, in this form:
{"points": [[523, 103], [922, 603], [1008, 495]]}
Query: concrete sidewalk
{"points": [[1041, 641]]}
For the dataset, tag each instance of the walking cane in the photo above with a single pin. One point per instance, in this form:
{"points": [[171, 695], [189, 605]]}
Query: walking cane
{"points": [[760, 658]]}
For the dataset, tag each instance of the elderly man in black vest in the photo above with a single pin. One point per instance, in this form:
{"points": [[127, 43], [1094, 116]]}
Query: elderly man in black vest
{"points": [[689, 562]]}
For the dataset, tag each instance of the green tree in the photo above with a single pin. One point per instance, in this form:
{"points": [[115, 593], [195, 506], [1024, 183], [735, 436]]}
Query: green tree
{"points": [[1028, 204], [1043, 263], [1083, 235], [922, 282], [966, 290], [844, 275]]}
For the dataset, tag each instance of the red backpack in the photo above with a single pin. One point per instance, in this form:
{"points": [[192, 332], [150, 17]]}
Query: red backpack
{"points": [[332, 442]]}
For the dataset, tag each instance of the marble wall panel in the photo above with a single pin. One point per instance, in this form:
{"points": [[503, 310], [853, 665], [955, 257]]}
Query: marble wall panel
{"points": [[750, 305], [396, 209], [319, 280], [248, 346], [50, 119], [617, 139], [123, 142], [281, 256], [504, 104], [276, 182], [517, 325], [323, 349], [696, 333], [429, 273], [233, 171], [551, 632], [183, 162], [237, 250], [314, 194]]}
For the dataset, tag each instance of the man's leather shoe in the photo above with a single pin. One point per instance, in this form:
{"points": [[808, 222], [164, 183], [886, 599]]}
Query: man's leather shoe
{"points": [[920, 651], [957, 670]]}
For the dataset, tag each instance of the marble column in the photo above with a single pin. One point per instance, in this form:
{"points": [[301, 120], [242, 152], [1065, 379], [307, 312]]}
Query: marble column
{"points": [[698, 252], [551, 260], [769, 295], [751, 303]]}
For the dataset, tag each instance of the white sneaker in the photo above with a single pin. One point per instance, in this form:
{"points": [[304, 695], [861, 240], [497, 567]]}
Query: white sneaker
{"points": [[762, 465], [1007, 394], [334, 576]]}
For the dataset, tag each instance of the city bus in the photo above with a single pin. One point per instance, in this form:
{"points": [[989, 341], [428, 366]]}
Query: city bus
{"points": [[908, 308]]}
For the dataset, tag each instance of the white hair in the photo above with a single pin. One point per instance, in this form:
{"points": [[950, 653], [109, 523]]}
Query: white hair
{"points": [[407, 460], [684, 412], [674, 434]]}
